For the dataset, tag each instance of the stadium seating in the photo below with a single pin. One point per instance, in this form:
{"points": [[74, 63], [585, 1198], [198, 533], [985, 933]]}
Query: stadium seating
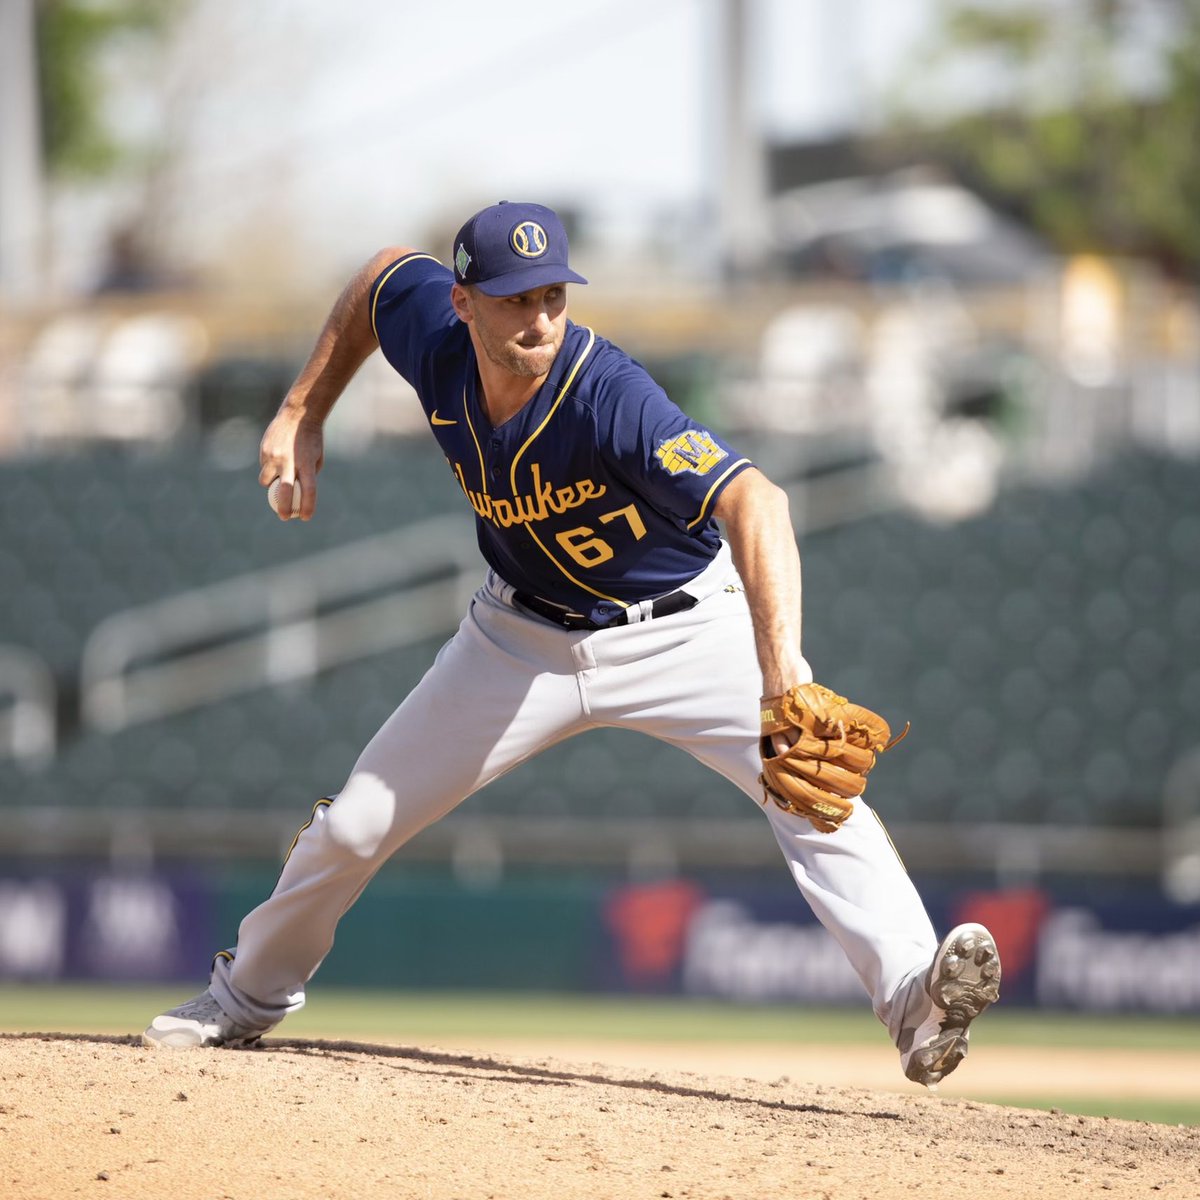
{"points": [[1047, 652]]}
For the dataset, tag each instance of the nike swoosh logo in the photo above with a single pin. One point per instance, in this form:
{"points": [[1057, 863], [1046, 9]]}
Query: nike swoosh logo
{"points": [[440, 420]]}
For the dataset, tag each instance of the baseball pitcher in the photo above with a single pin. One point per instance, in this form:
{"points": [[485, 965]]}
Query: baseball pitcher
{"points": [[611, 598]]}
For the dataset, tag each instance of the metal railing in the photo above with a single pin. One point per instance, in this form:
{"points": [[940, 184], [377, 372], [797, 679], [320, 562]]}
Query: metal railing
{"points": [[475, 843], [286, 623], [28, 707], [283, 624], [279, 624]]}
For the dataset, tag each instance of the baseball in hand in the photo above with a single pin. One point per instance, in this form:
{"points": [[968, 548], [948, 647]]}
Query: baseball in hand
{"points": [[273, 497]]}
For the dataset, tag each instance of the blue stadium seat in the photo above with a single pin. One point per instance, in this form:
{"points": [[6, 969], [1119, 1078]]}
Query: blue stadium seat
{"points": [[1014, 642]]}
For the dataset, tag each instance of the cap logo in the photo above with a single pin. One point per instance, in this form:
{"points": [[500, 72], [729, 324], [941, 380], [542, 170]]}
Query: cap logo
{"points": [[529, 239], [462, 260]]}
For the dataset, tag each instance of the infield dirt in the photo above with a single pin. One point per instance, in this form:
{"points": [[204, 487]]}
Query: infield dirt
{"points": [[292, 1119]]}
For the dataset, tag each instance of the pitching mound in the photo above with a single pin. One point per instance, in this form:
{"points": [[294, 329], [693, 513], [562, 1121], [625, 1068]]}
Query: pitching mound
{"points": [[103, 1117]]}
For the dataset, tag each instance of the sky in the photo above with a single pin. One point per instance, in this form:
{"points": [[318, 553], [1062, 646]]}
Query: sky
{"points": [[347, 126], [295, 137]]}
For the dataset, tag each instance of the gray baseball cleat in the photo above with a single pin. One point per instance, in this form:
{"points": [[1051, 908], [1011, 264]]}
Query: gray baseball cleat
{"points": [[198, 1022], [963, 980]]}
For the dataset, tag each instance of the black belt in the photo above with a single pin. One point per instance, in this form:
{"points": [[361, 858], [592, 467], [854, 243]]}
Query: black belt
{"points": [[664, 606]]}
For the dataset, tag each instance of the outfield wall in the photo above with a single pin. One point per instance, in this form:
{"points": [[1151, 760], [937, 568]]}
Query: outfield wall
{"points": [[1098, 947]]}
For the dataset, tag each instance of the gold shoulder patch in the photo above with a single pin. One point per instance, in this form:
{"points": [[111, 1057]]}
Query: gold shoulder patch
{"points": [[693, 451]]}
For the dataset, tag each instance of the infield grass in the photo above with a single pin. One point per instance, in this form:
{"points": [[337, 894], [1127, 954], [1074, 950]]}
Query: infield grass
{"points": [[337, 1012], [1126, 1108]]}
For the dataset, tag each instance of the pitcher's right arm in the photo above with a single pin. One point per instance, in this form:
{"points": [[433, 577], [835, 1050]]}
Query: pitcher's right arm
{"points": [[293, 446]]}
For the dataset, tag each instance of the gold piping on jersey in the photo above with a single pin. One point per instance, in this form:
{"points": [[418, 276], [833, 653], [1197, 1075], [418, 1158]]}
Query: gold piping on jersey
{"points": [[480, 502], [716, 484], [562, 391], [379, 288], [553, 408], [576, 582], [478, 449]]}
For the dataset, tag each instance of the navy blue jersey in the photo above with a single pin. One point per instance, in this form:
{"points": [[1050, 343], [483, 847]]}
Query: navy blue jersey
{"points": [[599, 493]]}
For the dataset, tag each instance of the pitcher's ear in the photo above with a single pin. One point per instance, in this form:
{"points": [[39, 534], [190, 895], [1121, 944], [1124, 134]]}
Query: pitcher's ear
{"points": [[460, 298]]}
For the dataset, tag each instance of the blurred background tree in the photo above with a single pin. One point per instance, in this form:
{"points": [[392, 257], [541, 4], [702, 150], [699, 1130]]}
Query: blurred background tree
{"points": [[105, 125], [1081, 117], [75, 39]]}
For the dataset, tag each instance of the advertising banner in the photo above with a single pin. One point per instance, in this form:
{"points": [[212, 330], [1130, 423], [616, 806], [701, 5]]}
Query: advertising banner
{"points": [[1085, 947], [1089, 949], [103, 925]]}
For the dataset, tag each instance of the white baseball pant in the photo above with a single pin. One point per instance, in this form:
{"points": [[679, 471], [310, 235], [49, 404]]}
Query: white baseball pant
{"points": [[508, 685]]}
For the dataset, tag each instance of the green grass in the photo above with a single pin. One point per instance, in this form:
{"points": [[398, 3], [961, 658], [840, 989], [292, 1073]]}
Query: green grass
{"points": [[1158, 1112], [338, 1013], [335, 1012]]}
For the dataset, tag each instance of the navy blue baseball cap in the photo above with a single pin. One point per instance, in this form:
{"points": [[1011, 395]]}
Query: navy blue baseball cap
{"points": [[511, 247]]}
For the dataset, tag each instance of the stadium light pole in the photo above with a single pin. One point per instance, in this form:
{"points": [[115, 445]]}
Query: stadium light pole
{"points": [[739, 153], [22, 188]]}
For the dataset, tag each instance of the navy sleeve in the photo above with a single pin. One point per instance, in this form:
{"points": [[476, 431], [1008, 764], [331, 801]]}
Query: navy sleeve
{"points": [[410, 309], [678, 464]]}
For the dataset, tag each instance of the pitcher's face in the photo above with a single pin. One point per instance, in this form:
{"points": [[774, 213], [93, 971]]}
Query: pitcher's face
{"points": [[521, 333]]}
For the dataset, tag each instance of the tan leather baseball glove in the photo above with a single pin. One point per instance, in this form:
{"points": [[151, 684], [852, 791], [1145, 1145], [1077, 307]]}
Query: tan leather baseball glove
{"points": [[834, 744]]}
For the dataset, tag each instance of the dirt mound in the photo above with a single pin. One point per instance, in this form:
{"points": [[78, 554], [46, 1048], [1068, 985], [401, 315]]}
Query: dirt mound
{"points": [[103, 1117]]}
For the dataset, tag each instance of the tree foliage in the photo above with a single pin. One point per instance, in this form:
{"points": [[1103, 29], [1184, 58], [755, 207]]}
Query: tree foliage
{"points": [[72, 38], [1093, 159]]}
